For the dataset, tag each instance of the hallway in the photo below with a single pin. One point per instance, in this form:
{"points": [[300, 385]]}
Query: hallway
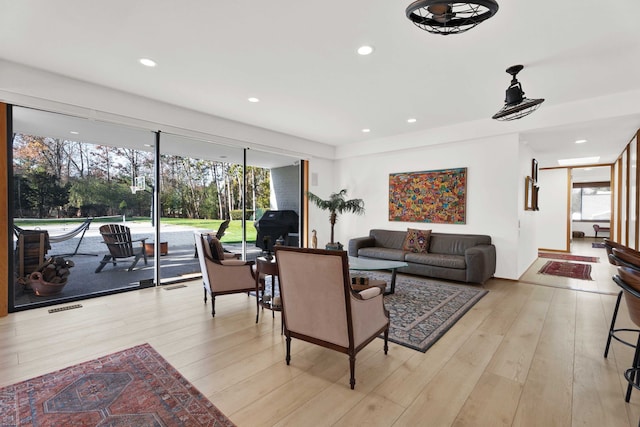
{"points": [[601, 271]]}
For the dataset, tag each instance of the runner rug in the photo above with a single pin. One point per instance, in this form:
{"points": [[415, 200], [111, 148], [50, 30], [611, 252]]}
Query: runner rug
{"points": [[573, 270], [134, 387], [423, 310], [568, 257]]}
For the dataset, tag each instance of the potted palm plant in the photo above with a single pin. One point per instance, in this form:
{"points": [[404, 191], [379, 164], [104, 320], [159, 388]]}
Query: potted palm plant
{"points": [[337, 204]]}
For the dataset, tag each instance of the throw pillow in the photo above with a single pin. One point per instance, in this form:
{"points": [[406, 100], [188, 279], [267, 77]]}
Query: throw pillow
{"points": [[217, 252], [417, 240]]}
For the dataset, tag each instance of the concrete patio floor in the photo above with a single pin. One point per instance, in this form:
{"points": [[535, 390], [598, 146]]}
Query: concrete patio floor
{"points": [[178, 265]]}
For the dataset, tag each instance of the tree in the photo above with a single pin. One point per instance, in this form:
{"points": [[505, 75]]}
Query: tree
{"points": [[46, 193], [337, 204]]}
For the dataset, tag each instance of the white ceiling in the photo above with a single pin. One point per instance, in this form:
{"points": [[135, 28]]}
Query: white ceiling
{"points": [[299, 58]]}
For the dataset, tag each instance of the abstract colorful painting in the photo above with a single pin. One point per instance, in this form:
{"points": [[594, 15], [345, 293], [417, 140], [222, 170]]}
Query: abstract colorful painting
{"points": [[437, 196]]}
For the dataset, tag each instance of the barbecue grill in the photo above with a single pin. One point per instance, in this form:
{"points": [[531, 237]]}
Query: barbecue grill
{"points": [[276, 224]]}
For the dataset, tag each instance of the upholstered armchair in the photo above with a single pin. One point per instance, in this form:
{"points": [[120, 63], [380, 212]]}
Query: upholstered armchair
{"points": [[222, 273], [320, 307]]}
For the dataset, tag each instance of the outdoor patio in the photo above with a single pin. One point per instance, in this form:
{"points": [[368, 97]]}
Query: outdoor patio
{"points": [[179, 264]]}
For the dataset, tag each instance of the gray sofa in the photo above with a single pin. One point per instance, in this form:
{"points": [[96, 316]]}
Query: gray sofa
{"points": [[462, 257]]}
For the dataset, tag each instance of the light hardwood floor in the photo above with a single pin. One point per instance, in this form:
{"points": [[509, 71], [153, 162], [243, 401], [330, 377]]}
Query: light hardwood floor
{"points": [[525, 355]]}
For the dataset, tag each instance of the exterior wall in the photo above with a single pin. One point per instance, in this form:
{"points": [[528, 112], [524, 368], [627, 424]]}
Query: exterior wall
{"points": [[285, 188]]}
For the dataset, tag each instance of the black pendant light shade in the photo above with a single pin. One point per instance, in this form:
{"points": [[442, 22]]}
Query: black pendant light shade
{"points": [[516, 105], [448, 17]]}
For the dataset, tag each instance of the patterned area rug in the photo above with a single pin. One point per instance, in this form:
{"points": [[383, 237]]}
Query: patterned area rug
{"points": [[573, 270], [597, 245], [422, 310], [568, 257], [134, 387]]}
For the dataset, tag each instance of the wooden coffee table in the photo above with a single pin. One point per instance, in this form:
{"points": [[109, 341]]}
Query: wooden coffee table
{"points": [[366, 264]]}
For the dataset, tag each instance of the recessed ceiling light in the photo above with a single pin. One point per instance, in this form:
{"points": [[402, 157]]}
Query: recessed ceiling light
{"points": [[253, 99], [366, 130], [148, 62], [411, 120], [578, 161], [365, 50], [581, 141], [74, 132]]}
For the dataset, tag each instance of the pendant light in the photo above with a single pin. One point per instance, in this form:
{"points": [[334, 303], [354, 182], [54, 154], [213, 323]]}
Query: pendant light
{"points": [[516, 105], [445, 17]]}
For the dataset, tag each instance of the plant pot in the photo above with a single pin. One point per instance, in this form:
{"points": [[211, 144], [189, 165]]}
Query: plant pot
{"points": [[43, 288], [337, 246]]}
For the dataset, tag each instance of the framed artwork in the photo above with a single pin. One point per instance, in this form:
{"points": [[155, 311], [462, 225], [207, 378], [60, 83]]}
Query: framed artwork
{"points": [[534, 171], [437, 196], [528, 194]]}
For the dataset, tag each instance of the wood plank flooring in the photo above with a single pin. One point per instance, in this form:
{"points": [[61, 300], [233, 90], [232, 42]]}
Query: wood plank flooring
{"points": [[527, 354]]}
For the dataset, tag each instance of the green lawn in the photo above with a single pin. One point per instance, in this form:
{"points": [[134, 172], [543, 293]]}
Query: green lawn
{"points": [[232, 235]]}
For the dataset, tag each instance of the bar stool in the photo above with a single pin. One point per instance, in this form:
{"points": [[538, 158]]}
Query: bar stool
{"points": [[623, 256], [629, 280]]}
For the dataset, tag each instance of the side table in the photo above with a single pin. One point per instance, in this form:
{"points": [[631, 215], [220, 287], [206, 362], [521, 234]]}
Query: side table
{"points": [[265, 267]]}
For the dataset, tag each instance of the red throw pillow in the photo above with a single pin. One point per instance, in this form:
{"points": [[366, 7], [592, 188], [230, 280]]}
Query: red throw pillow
{"points": [[417, 240]]}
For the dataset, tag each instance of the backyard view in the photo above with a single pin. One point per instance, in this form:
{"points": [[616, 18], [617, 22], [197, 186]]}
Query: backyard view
{"points": [[69, 189], [56, 178]]}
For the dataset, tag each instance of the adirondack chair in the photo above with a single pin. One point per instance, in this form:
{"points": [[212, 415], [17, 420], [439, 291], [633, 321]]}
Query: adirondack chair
{"points": [[118, 239], [221, 230]]}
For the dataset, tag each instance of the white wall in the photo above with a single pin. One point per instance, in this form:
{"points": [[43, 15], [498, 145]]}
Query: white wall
{"points": [[554, 211], [527, 220], [322, 183], [492, 191]]}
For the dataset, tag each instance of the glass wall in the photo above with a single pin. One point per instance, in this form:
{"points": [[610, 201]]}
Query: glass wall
{"points": [[78, 184]]}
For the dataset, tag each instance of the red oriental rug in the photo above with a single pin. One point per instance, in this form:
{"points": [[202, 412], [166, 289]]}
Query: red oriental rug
{"points": [[567, 269], [134, 387], [569, 257]]}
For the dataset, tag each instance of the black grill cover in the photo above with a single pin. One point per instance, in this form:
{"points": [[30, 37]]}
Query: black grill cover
{"points": [[275, 224]]}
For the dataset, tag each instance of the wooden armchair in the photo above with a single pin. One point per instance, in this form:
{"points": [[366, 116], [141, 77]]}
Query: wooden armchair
{"points": [[222, 273], [320, 307], [118, 240]]}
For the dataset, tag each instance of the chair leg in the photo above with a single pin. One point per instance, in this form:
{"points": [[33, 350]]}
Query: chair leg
{"points": [[105, 261], [213, 305], [613, 323], [634, 375], [205, 293], [352, 369], [386, 340], [288, 357], [135, 261]]}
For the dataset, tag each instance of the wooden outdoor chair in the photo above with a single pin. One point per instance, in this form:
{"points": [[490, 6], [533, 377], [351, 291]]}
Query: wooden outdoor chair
{"points": [[118, 239], [320, 307], [31, 249]]}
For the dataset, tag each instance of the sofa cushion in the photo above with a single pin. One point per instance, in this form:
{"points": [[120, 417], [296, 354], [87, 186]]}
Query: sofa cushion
{"points": [[455, 244], [416, 240], [437, 260], [382, 253], [393, 239]]}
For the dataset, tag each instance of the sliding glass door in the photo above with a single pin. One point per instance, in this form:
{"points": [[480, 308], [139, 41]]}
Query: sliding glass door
{"points": [[97, 206]]}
